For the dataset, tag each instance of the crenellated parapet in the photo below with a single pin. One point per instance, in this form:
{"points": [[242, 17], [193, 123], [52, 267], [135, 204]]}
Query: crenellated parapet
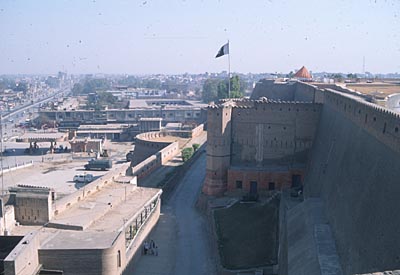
{"points": [[378, 121]]}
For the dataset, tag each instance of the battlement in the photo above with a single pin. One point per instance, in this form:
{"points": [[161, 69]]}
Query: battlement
{"points": [[378, 121], [254, 103]]}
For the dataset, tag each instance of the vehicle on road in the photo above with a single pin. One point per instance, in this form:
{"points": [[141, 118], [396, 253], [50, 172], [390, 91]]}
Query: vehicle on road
{"points": [[98, 164], [83, 178]]}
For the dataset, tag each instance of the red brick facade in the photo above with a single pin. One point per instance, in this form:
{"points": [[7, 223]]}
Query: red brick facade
{"points": [[266, 180]]}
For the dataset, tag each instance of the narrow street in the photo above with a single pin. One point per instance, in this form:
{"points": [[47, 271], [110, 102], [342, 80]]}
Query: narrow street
{"points": [[181, 233]]}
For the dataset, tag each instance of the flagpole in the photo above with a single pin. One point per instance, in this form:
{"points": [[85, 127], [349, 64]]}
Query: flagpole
{"points": [[229, 72]]}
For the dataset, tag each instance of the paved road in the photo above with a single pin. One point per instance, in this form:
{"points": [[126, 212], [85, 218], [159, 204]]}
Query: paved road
{"points": [[181, 233]]}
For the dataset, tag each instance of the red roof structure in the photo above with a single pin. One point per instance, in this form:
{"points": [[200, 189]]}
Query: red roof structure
{"points": [[303, 73]]}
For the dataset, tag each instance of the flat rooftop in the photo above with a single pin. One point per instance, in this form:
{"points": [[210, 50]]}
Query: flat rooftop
{"points": [[67, 239], [104, 209], [42, 136], [165, 103]]}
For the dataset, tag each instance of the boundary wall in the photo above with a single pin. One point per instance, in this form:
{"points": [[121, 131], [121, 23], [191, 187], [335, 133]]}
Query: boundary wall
{"points": [[354, 170], [146, 144], [154, 161]]}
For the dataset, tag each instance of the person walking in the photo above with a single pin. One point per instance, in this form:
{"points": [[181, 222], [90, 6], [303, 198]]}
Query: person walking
{"points": [[146, 247]]}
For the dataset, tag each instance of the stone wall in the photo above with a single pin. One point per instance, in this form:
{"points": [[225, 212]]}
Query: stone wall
{"points": [[146, 144], [273, 133], [259, 135], [274, 90], [218, 149], [239, 178], [354, 170]]}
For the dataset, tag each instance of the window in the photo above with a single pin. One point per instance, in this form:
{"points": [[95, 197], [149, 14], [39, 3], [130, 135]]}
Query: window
{"points": [[239, 184], [271, 186], [119, 258], [253, 187]]}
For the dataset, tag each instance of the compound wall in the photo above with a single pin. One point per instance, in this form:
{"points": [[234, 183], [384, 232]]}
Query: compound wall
{"points": [[354, 169]]}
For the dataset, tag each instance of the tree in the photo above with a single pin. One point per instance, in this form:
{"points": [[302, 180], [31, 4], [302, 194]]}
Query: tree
{"points": [[91, 86], [195, 146], [210, 90], [101, 99], [215, 89], [187, 153]]}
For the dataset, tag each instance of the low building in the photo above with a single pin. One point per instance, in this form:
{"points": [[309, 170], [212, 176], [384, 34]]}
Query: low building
{"points": [[99, 229]]}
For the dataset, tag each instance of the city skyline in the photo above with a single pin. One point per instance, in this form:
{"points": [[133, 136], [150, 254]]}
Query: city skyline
{"points": [[150, 37]]}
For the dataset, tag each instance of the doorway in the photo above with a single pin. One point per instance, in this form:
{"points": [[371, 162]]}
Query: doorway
{"points": [[296, 181], [253, 187]]}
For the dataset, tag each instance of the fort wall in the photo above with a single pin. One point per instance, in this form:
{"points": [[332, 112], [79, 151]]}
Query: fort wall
{"points": [[146, 144], [218, 149], [263, 141], [276, 91], [273, 133], [354, 169]]}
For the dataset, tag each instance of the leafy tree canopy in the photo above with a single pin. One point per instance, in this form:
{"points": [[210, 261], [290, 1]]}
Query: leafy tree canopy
{"points": [[215, 89], [91, 86]]}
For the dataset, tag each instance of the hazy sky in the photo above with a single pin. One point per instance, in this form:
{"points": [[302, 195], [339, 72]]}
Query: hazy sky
{"points": [[169, 36]]}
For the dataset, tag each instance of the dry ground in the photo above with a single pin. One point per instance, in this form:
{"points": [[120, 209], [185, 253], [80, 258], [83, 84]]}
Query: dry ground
{"points": [[248, 234], [378, 89]]}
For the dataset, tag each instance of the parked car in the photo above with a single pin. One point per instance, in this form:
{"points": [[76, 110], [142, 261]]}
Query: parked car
{"points": [[83, 178]]}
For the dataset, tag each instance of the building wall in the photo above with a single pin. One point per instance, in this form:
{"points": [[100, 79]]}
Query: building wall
{"points": [[195, 114], [265, 179], [86, 261], [86, 146], [354, 169], [7, 218], [33, 208], [134, 251], [23, 259], [393, 102]]}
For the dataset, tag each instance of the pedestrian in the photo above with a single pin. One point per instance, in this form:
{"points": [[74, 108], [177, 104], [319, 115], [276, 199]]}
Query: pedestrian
{"points": [[146, 247]]}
